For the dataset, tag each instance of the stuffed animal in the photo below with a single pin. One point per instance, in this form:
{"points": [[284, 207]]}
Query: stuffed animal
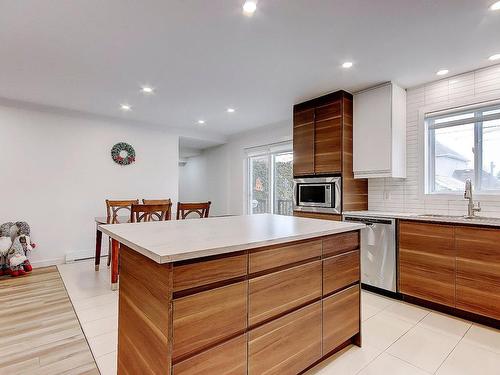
{"points": [[15, 247], [5, 244]]}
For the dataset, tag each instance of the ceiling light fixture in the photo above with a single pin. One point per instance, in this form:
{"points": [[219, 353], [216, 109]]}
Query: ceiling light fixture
{"points": [[249, 7], [347, 65], [442, 72], [125, 107], [147, 90], [495, 57], [201, 122], [495, 6], [231, 110]]}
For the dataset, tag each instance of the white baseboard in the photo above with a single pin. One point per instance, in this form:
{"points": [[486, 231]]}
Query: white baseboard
{"points": [[47, 262], [82, 254]]}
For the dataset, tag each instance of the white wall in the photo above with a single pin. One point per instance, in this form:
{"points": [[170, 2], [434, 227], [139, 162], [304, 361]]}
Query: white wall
{"points": [[223, 180], [56, 172], [408, 195]]}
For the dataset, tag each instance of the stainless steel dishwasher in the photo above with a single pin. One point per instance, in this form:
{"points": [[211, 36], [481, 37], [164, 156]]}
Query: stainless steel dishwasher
{"points": [[378, 252]]}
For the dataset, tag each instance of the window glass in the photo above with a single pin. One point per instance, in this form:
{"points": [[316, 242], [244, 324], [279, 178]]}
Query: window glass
{"points": [[490, 176]]}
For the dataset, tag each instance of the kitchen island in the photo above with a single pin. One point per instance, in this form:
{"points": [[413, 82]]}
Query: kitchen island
{"points": [[257, 294]]}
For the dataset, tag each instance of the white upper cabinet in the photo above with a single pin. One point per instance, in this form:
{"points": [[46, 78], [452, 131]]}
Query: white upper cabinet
{"points": [[379, 139]]}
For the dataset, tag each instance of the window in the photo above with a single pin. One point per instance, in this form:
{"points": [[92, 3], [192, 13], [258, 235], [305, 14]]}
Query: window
{"points": [[464, 144], [270, 179]]}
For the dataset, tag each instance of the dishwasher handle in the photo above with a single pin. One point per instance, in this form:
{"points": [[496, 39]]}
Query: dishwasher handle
{"points": [[368, 220]]}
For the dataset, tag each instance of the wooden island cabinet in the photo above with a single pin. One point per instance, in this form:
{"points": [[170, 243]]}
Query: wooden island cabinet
{"points": [[272, 309], [453, 265]]}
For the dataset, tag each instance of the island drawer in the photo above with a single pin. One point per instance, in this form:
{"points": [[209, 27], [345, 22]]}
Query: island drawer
{"points": [[340, 318], [340, 271], [281, 255], [205, 271], [228, 358], [204, 319], [340, 243], [286, 345], [276, 293]]}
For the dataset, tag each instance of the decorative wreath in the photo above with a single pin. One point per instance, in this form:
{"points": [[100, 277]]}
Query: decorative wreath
{"points": [[123, 153]]}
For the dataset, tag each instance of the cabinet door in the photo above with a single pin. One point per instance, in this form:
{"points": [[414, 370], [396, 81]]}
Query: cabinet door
{"points": [[427, 262], [276, 293], [478, 270], [286, 345], [340, 271], [204, 319], [229, 358], [340, 318], [303, 143], [328, 139]]}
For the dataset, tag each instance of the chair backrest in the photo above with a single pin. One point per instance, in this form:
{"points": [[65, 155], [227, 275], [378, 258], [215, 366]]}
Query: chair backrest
{"points": [[149, 212], [161, 201], [113, 208], [201, 209]]}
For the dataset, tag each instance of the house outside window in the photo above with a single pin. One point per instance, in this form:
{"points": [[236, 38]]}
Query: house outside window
{"points": [[270, 179], [461, 144]]}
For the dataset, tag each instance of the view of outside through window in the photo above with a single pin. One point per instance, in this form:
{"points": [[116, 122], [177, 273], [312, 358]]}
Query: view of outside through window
{"points": [[271, 183], [459, 150]]}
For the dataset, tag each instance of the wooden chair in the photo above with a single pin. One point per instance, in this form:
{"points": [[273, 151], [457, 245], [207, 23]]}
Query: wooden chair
{"points": [[114, 210], [161, 201], [201, 209], [149, 212]]}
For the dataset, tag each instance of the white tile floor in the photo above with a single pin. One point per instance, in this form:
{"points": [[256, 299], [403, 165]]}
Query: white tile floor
{"points": [[398, 338]]}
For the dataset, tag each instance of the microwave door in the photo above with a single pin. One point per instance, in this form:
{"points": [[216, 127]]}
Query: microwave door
{"points": [[314, 195]]}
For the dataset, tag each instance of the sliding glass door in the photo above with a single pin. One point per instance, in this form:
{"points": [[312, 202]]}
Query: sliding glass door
{"points": [[270, 180]]}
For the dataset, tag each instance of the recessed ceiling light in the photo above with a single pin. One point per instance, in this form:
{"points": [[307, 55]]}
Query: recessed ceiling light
{"points": [[495, 57], [125, 107], [201, 122], [495, 6], [231, 110], [147, 89], [249, 7], [347, 65], [442, 72]]}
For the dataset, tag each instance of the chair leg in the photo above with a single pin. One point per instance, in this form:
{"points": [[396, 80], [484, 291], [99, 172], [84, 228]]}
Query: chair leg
{"points": [[115, 246], [98, 244], [109, 252]]}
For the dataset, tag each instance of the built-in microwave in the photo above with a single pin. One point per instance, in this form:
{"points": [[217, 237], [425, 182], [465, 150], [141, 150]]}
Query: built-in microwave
{"points": [[317, 194]]}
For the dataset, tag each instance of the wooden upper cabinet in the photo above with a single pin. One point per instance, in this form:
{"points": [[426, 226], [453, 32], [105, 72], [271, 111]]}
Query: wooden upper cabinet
{"points": [[328, 139], [303, 142], [478, 270], [427, 261]]}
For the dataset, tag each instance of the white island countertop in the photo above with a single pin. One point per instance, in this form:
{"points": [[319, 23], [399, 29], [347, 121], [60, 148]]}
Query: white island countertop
{"points": [[170, 241]]}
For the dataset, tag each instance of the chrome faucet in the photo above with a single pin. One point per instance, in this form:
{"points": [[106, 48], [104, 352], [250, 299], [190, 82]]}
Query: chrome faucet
{"points": [[471, 208]]}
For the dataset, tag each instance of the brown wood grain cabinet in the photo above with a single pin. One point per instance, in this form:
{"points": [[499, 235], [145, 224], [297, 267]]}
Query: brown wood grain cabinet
{"points": [[340, 271], [287, 345], [228, 358], [341, 317], [205, 318], [478, 270], [278, 256], [273, 294], [453, 265], [258, 311], [427, 262], [323, 145], [303, 142], [318, 215]]}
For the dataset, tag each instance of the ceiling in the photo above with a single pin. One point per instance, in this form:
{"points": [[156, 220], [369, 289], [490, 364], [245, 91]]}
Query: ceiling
{"points": [[205, 56]]}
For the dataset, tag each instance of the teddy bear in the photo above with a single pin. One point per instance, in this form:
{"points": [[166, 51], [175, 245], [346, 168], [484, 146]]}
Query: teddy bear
{"points": [[6, 230], [24, 235]]}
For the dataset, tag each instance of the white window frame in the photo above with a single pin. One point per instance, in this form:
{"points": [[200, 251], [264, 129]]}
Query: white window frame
{"points": [[271, 151], [480, 105]]}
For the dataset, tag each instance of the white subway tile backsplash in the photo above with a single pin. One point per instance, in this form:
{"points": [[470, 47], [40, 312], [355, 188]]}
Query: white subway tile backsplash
{"points": [[407, 195]]}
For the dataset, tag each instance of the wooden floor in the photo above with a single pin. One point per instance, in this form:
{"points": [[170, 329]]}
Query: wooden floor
{"points": [[39, 331]]}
